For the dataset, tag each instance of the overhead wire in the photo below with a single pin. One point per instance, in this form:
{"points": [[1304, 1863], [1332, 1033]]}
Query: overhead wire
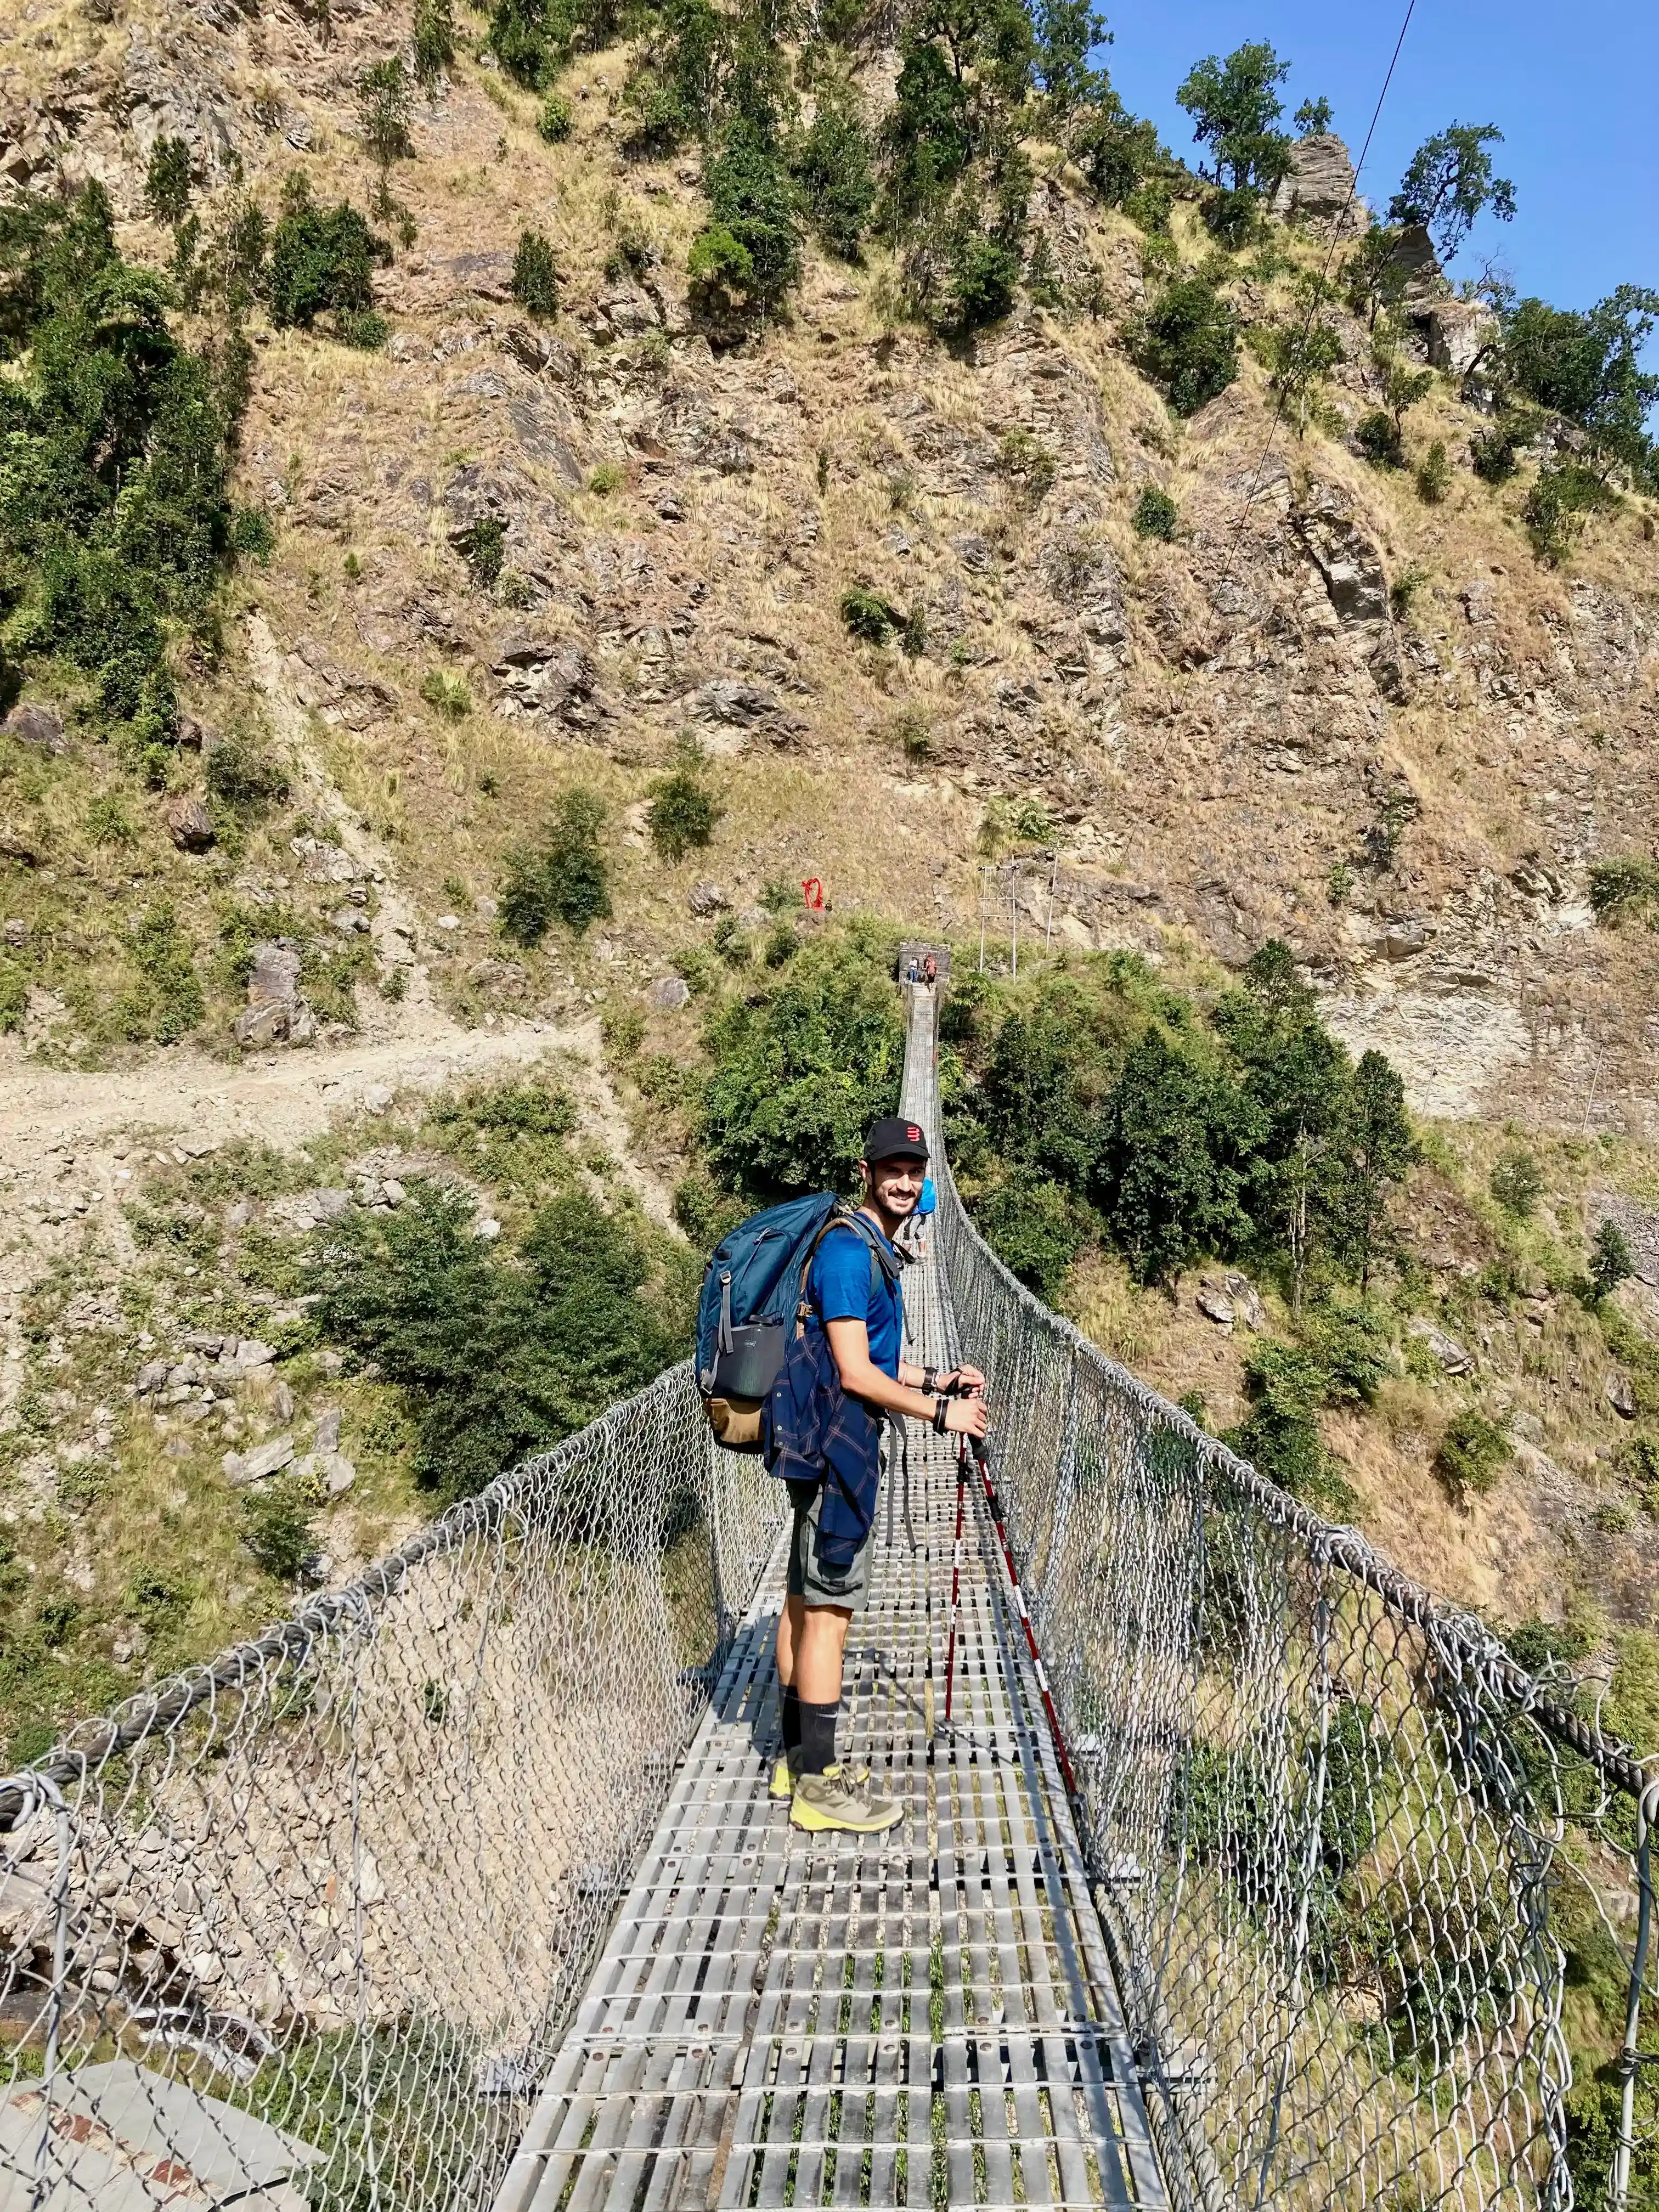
{"points": [[1317, 299]]}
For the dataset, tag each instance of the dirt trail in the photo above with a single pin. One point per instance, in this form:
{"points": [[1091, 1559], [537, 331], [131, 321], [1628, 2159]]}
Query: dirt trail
{"points": [[59, 1130]]}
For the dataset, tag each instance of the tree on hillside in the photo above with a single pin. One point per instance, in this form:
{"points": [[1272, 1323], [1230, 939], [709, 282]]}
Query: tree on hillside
{"points": [[1067, 32], [1587, 367], [1187, 341], [1313, 118], [1172, 1135], [167, 181], [385, 109], [1374, 1153], [836, 180], [1295, 1074], [1448, 181], [1235, 107], [434, 40]]}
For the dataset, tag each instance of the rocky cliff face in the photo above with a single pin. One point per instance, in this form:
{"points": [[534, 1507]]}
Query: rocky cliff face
{"points": [[1215, 724]]}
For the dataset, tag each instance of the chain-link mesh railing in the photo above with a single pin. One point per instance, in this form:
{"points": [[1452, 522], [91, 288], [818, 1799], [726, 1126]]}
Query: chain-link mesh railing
{"points": [[304, 1926], [1328, 1818]]}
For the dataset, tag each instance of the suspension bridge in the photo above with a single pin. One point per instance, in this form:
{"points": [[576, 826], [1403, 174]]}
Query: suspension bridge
{"points": [[1228, 1875]]}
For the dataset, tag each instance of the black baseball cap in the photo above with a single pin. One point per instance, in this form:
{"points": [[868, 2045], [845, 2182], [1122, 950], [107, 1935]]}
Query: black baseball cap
{"points": [[893, 1138]]}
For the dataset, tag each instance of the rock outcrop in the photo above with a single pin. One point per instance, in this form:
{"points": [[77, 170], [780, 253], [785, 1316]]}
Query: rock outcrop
{"points": [[1321, 186]]}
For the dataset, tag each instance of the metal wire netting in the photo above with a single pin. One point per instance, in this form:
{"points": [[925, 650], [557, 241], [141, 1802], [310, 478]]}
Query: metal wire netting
{"points": [[304, 1927], [1327, 1816], [308, 1924]]}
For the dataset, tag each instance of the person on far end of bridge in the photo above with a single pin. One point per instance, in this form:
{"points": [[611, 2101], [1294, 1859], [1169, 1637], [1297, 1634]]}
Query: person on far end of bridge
{"points": [[858, 1304]]}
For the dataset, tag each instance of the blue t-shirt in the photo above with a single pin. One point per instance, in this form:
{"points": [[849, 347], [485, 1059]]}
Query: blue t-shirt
{"points": [[838, 1288]]}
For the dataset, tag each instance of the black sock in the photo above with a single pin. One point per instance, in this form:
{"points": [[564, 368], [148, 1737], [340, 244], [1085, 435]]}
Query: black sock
{"points": [[789, 1716], [817, 1735]]}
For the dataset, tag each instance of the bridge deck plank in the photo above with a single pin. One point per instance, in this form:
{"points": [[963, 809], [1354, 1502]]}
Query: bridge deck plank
{"points": [[927, 2017]]}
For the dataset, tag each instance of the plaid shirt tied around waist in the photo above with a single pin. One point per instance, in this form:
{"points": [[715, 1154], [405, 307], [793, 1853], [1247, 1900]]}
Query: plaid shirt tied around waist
{"points": [[813, 1431]]}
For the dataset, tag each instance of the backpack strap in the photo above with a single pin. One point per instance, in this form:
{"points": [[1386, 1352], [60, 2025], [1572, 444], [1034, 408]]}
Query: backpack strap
{"points": [[882, 1262]]}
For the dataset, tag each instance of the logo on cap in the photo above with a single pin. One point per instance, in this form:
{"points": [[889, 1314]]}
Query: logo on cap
{"points": [[911, 1130]]}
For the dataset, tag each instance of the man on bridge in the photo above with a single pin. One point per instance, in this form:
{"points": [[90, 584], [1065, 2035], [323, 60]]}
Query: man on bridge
{"points": [[858, 1303]]}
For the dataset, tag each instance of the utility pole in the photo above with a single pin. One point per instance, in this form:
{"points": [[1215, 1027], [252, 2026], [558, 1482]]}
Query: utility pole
{"points": [[981, 921], [1013, 911], [1053, 875]]}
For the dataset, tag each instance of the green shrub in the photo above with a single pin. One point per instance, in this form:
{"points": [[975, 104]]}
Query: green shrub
{"points": [[984, 280], [115, 518], [1028, 463], [1563, 494], [780, 945], [108, 822], [363, 329], [1231, 217], [1612, 1261], [721, 270], [1350, 1341], [483, 546], [800, 1071], [1434, 475], [1116, 151], [1156, 514], [1150, 207], [279, 1528], [447, 692], [434, 40], [683, 812], [835, 177], [535, 279], [751, 198], [1378, 437], [243, 777], [321, 260], [704, 1211], [167, 1003], [1623, 888], [868, 615], [167, 180], [553, 123], [1172, 1141], [609, 477], [1516, 1183], [1037, 1228], [498, 1351], [531, 40], [253, 533], [563, 878], [14, 997], [1474, 1453], [1187, 341], [674, 86], [385, 110], [1493, 453]]}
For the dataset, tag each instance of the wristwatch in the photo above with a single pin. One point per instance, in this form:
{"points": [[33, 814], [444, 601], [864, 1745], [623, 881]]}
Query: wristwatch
{"points": [[930, 1380]]}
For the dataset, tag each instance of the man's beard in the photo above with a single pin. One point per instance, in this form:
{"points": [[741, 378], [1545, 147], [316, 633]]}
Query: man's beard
{"points": [[895, 1214]]}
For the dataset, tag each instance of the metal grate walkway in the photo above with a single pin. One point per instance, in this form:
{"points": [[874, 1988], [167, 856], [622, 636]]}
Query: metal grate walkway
{"points": [[924, 2018]]}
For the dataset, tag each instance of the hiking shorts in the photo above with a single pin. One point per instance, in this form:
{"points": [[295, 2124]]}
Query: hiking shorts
{"points": [[806, 1578]]}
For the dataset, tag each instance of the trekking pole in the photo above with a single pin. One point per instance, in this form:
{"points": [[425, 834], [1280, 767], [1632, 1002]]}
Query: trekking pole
{"points": [[994, 1504], [956, 1573]]}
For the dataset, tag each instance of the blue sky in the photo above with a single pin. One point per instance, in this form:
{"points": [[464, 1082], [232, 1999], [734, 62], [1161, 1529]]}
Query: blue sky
{"points": [[1572, 90]]}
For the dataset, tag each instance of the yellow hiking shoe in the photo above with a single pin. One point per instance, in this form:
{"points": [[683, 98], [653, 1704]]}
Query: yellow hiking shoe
{"points": [[838, 1800], [783, 1779]]}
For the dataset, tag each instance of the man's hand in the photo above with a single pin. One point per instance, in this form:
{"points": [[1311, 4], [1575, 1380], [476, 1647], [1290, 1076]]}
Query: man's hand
{"points": [[965, 1417], [961, 1379]]}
